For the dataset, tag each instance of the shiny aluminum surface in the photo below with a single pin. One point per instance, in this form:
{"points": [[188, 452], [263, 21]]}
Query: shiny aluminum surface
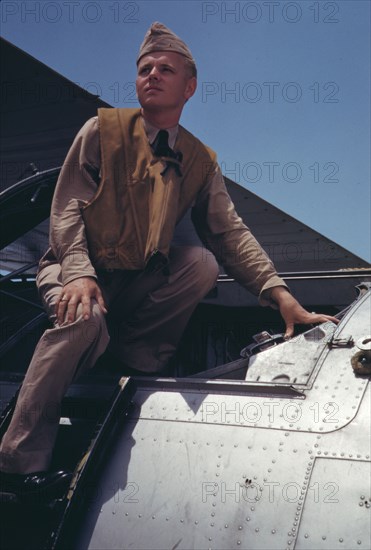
{"points": [[195, 469]]}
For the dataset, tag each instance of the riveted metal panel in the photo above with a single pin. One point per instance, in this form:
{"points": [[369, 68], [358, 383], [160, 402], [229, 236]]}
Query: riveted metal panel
{"points": [[336, 513], [198, 467]]}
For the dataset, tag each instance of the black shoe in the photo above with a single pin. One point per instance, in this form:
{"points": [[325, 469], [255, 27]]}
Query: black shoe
{"points": [[46, 485]]}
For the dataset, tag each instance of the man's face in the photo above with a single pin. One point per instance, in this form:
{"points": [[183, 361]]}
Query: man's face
{"points": [[163, 81]]}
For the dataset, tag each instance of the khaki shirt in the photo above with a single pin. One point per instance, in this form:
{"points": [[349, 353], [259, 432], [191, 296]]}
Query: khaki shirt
{"points": [[213, 214]]}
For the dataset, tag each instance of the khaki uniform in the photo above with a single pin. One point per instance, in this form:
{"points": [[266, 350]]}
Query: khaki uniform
{"points": [[151, 309]]}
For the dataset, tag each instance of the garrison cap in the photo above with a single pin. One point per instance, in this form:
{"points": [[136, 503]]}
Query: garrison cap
{"points": [[159, 38]]}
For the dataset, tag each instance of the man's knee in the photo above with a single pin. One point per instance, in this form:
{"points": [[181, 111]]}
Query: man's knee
{"points": [[202, 267], [94, 328], [81, 333]]}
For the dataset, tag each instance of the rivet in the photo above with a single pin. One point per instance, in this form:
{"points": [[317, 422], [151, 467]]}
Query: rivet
{"points": [[363, 497], [212, 514], [273, 531], [324, 537], [167, 519], [212, 525], [196, 522], [252, 508], [226, 525], [113, 512], [359, 542], [153, 517], [247, 519], [240, 527], [238, 542], [182, 521], [139, 515], [236, 445], [341, 540], [295, 451], [126, 513], [306, 536], [257, 530], [361, 503]]}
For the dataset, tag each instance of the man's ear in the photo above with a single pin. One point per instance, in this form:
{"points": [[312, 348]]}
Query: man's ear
{"points": [[190, 87]]}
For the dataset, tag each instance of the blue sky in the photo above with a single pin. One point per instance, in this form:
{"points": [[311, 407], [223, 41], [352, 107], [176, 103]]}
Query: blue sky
{"points": [[283, 93]]}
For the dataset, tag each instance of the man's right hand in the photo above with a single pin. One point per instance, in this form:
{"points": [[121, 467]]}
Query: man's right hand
{"points": [[79, 291]]}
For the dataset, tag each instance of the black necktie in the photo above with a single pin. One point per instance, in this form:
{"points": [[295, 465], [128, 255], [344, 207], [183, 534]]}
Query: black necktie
{"points": [[161, 148]]}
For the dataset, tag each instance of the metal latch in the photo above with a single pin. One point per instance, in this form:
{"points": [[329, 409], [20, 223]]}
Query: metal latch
{"points": [[264, 341], [341, 342]]}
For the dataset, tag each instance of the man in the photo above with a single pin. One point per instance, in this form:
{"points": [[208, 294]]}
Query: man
{"points": [[129, 177]]}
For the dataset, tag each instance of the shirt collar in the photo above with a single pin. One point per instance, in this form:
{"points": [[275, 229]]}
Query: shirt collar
{"points": [[152, 132]]}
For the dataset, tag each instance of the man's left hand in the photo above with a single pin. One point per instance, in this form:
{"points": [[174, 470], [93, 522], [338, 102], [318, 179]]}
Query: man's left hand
{"points": [[293, 313]]}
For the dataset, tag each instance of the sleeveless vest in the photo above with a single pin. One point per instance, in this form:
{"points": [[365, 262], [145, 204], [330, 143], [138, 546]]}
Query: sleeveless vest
{"points": [[131, 218]]}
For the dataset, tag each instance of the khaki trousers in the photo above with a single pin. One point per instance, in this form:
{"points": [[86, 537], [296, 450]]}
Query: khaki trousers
{"points": [[148, 313]]}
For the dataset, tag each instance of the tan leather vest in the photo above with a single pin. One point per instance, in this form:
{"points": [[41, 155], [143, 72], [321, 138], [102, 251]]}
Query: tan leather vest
{"points": [[134, 212]]}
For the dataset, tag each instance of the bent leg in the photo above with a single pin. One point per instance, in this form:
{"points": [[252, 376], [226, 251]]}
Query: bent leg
{"points": [[61, 354], [150, 337]]}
